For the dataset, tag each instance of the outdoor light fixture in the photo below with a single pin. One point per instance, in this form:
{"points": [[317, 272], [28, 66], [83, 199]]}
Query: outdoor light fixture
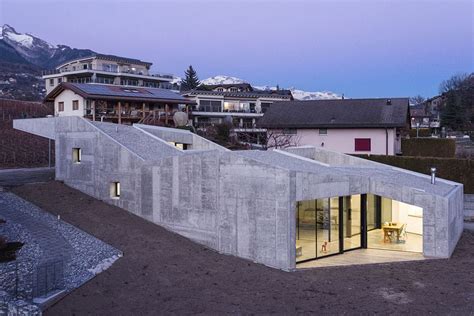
{"points": [[433, 175]]}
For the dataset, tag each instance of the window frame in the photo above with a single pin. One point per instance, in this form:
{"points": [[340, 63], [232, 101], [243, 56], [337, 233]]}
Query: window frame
{"points": [[61, 106], [115, 190], [75, 105], [359, 144], [76, 155]]}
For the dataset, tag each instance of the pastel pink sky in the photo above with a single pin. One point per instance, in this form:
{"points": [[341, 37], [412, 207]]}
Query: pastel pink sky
{"points": [[361, 48]]}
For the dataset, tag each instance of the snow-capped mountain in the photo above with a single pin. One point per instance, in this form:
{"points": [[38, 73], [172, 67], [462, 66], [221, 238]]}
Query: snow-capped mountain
{"points": [[297, 94], [216, 80], [35, 50]]}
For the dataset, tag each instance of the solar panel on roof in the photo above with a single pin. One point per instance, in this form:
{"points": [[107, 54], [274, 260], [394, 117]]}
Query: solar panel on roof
{"points": [[120, 91]]}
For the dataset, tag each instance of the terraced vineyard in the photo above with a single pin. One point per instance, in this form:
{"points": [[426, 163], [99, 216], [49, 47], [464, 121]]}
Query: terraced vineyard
{"points": [[19, 149]]}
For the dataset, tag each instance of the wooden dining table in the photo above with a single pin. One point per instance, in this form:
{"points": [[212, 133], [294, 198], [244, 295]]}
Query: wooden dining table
{"points": [[392, 227]]}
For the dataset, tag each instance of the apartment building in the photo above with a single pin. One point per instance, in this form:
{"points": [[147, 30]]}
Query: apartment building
{"points": [[243, 107], [106, 69]]}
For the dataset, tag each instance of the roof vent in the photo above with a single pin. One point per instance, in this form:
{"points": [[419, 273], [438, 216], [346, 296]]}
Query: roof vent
{"points": [[389, 101], [333, 119]]}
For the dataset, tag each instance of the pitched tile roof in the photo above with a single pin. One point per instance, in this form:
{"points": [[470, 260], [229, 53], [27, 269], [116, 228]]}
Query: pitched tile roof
{"points": [[340, 113]]}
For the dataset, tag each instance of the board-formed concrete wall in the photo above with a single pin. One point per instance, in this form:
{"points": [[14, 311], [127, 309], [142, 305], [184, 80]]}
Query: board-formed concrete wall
{"points": [[103, 161], [227, 202], [442, 215]]}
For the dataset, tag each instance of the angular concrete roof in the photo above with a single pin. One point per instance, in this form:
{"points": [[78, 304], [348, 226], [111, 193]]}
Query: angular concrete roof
{"points": [[376, 171], [145, 146]]}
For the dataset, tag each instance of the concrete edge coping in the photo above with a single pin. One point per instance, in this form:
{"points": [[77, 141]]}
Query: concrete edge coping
{"points": [[381, 165], [260, 161], [165, 129], [110, 137], [177, 130], [301, 158], [156, 137]]}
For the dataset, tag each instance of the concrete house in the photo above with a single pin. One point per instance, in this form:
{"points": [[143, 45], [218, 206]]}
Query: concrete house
{"points": [[278, 208], [106, 69], [352, 126]]}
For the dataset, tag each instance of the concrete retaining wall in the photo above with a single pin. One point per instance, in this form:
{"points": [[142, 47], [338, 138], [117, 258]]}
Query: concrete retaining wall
{"points": [[469, 207], [39, 126]]}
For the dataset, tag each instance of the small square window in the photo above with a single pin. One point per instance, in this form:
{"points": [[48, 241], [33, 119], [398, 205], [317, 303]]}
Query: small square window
{"points": [[323, 131], [362, 144], [75, 105], [115, 190], [76, 155]]}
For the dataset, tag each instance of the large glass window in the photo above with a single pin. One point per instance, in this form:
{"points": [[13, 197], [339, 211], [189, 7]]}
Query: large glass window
{"points": [[317, 231], [209, 106], [372, 213], [352, 221]]}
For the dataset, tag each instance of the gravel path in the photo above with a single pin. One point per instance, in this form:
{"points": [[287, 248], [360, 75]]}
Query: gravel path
{"points": [[48, 241], [163, 273]]}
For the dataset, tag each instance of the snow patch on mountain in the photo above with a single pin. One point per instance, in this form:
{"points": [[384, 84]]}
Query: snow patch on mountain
{"points": [[22, 39], [297, 93], [176, 80], [318, 95], [220, 79]]}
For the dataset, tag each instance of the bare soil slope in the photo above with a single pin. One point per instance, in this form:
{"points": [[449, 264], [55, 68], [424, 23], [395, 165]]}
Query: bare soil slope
{"points": [[164, 273]]}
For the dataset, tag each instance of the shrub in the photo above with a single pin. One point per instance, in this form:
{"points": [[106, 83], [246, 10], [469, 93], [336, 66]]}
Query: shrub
{"points": [[458, 170], [429, 147], [422, 132]]}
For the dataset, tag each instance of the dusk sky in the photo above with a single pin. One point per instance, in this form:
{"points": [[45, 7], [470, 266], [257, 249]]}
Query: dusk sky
{"points": [[359, 48]]}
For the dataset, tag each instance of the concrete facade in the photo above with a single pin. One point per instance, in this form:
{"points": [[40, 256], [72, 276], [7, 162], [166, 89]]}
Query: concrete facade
{"points": [[240, 203]]}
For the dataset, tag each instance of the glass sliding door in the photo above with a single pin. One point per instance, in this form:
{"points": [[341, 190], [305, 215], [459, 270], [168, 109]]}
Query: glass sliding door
{"points": [[372, 212], [327, 227], [306, 230], [317, 228], [352, 222]]}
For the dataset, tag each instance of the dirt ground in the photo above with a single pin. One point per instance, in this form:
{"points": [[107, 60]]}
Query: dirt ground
{"points": [[162, 273]]}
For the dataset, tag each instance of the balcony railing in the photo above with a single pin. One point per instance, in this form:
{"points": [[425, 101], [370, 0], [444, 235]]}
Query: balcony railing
{"points": [[114, 71], [224, 111]]}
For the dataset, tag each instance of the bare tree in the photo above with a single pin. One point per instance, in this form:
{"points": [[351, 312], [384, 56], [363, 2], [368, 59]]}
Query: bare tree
{"points": [[280, 139], [454, 83], [417, 99]]}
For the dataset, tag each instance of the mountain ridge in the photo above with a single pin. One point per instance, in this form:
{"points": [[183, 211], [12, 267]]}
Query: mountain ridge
{"points": [[297, 93]]}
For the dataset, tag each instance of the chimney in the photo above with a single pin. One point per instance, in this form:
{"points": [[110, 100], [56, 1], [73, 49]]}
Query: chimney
{"points": [[433, 175]]}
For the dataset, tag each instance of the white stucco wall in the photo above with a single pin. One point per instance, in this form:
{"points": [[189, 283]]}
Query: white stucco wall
{"points": [[67, 96], [343, 140]]}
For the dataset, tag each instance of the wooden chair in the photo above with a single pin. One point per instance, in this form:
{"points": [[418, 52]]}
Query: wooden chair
{"points": [[403, 234]]}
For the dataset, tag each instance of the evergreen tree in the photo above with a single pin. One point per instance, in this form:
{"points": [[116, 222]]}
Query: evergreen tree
{"points": [[191, 80]]}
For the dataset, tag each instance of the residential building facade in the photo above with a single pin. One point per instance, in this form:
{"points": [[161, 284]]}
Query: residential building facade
{"points": [[243, 108], [119, 104], [427, 114], [352, 126], [106, 69]]}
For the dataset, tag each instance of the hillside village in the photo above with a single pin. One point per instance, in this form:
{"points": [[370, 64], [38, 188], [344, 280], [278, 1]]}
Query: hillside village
{"points": [[123, 189]]}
